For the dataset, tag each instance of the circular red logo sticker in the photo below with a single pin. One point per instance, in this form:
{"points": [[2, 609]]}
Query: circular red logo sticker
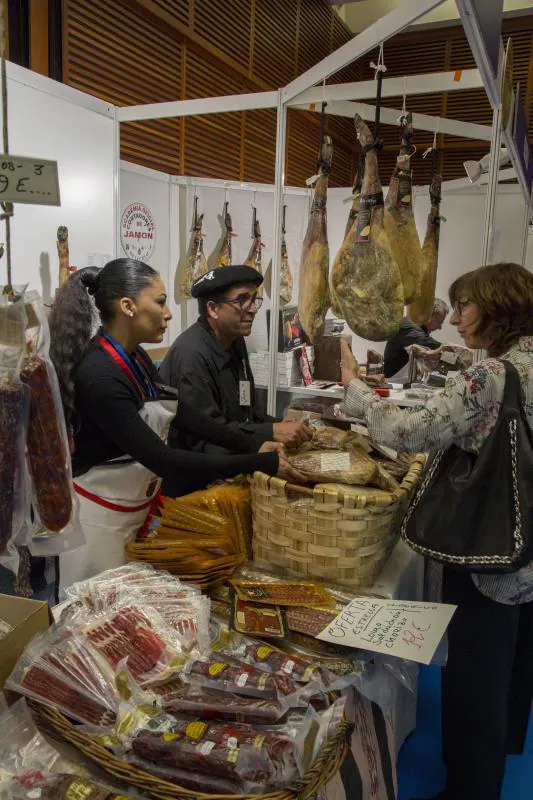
{"points": [[137, 231]]}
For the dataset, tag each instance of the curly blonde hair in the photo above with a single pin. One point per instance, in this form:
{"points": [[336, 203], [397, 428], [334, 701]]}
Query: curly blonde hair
{"points": [[504, 294]]}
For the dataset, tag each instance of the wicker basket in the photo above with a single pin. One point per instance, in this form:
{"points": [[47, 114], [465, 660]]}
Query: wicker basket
{"points": [[342, 534], [326, 764]]}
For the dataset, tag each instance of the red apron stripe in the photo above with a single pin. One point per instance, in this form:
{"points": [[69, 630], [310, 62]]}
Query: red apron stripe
{"points": [[107, 503]]}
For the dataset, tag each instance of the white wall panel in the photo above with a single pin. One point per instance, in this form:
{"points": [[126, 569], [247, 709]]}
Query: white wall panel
{"points": [[82, 142]]}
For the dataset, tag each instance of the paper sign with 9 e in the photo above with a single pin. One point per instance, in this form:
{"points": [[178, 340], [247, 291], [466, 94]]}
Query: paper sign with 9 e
{"points": [[29, 180], [399, 628]]}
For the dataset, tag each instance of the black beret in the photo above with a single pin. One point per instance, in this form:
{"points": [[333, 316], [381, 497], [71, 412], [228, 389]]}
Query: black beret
{"points": [[221, 278]]}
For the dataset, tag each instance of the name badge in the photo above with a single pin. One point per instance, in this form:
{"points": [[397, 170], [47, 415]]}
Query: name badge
{"points": [[244, 393]]}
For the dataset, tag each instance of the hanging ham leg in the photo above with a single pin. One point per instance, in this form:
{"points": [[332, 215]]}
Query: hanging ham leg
{"points": [[314, 265], [420, 310], [224, 256], [351, 221], [254, 256], [285, 276], [195, 263], [365, 276], [399, 218]]}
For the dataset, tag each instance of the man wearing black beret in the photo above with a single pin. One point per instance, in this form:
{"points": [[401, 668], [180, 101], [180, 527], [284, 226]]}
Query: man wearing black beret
{"points": [[208, 363]]}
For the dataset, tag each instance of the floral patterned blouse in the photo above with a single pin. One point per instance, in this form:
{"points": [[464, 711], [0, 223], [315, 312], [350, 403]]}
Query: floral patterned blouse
{"points": [[463, 413]]}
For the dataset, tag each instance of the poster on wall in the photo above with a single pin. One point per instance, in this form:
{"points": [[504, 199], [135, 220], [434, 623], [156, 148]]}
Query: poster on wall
{"points": [[137, 231]]}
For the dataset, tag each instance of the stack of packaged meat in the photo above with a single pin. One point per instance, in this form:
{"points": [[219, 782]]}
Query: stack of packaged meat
{"points": [[136, 659]]}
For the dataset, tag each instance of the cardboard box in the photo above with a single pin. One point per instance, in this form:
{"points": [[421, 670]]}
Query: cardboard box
{"points": [[27, 618]]}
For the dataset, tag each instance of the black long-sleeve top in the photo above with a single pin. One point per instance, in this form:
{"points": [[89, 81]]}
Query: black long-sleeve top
{"points": [[207, 376], [108, 426]]}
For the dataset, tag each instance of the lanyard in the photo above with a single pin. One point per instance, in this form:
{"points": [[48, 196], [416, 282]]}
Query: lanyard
{"points": [[128, 365]]}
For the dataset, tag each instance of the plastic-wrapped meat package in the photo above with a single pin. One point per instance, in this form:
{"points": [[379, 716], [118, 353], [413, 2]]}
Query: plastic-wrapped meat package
{"points": [[227, 674], [23, 749], [272, 660], [228, 750], [101, 592], [61, 787], [140, 637], [14, 508], [188, 616], [195, 781], [58, 668], [190, 700]]}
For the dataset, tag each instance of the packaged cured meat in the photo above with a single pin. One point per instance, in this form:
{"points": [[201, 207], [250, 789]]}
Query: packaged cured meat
{"points": [[190, 700], [283, 593], [61, 787], [48, 449], [140, 637], [228, 750], [365, 276], [258, 619], [195, 262], [59, 669], [195, 781], [310, 621], [421, 308], [101, 592], [353, 467], [224, 256], [14, 509], [23, 750], [399, 217], [227, 674], [314, 264], [277, 662]]}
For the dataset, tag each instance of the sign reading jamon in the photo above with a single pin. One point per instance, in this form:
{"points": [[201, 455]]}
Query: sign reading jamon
{"points": [[137, 231]]}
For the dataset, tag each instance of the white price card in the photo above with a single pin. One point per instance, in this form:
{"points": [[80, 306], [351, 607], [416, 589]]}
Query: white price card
{"points": [[29, 180], [334, 461], [402, 628]]}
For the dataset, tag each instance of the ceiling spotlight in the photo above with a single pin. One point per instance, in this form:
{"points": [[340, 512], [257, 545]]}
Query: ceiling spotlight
{"points": [[475, 169]]}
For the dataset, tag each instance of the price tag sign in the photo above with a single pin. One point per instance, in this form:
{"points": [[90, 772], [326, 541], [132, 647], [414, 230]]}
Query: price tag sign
{"points": [[394, 627], [29, 180]]}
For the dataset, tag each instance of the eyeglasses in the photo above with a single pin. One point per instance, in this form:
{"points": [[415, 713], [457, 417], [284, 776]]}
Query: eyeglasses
{"points": [[460, 306], [244, 302]]}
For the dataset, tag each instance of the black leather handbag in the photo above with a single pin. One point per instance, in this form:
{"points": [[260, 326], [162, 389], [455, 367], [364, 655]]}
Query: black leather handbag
{"points": [[475, 512]]}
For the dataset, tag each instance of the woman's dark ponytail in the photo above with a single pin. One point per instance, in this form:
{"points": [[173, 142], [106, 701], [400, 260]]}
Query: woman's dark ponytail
{"points": [[72, 322]]}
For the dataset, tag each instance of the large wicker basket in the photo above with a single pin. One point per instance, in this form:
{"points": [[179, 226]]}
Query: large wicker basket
{"points": [[326, 765], [337, 533]]}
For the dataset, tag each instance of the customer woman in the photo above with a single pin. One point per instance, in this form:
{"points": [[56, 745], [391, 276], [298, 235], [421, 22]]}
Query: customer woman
{"points": [[119, 413], [487, 685]]}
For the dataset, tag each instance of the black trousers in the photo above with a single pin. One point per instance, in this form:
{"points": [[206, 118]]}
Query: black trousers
{"points": [[487, 688]]}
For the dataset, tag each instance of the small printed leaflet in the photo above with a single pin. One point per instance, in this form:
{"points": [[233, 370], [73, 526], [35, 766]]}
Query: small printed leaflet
{"points": [[400, 628]]}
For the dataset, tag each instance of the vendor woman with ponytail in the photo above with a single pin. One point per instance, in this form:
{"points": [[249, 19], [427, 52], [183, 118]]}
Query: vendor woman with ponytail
{"points": [[119, 414]]}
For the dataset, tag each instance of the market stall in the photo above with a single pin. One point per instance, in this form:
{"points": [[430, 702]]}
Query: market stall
{"points": [[142, 660]]}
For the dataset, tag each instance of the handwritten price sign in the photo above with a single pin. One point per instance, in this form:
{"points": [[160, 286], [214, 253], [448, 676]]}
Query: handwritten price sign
{"points": [[395, 627], [28, 180]]}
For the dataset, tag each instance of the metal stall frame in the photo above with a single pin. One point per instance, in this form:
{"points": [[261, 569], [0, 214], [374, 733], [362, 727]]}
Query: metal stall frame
{"points": [[303, 91]]}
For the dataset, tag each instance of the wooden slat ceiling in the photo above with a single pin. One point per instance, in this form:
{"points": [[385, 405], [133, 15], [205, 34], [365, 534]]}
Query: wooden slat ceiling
{"points": [[141, 51]]}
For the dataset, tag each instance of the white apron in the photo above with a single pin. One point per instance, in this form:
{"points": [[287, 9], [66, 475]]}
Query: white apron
{"points": [[113, 501]]}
